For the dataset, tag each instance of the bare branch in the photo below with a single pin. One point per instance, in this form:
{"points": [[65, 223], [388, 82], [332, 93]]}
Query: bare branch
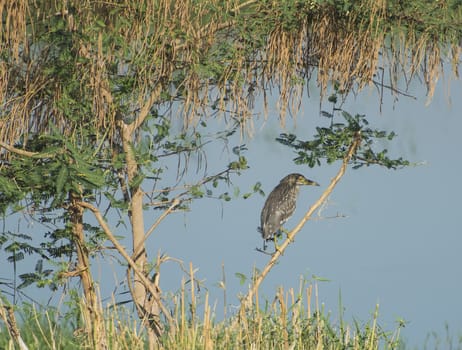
{"points": [[140, 246], [144, 112], [246, 302], [25, 153], [147, 283], [21, 152]]}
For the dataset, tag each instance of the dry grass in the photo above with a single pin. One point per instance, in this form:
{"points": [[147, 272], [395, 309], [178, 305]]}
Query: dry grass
{"points": [[293, 319], [163, 43]]}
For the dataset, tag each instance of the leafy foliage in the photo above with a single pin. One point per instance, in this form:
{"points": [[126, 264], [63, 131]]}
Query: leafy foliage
{"points": [[331, 142], [54, 168], [18, 245], [40, 276]]}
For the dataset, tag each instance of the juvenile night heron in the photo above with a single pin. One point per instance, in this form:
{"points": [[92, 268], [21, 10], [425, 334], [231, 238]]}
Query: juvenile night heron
{"points": [[280, 205]]}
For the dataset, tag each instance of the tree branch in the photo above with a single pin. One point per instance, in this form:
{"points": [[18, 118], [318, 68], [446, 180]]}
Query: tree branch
{"points": [[145, 109], [25, 153], [21, 152], [246, 302], [147, 283], [140, 246]]}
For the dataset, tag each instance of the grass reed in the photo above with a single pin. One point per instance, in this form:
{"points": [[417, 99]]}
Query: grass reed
{"points": [[293, 319]]}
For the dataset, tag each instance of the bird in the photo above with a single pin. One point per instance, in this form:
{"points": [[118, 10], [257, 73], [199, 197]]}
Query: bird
{"points": [[280, 205]]}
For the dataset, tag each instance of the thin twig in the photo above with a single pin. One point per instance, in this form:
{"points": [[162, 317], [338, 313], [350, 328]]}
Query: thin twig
{"points": [[393, 89]]}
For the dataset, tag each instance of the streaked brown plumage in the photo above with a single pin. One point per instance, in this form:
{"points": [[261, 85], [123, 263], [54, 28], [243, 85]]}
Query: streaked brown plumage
{"points": [[280, 205]]}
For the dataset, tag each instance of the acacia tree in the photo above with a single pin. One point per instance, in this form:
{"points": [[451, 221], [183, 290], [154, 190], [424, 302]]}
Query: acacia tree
{"points": [[91, 93]]}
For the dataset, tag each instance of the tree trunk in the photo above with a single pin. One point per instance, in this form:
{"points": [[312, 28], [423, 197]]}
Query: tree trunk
{"points": [[146, 305], [93, 315]]}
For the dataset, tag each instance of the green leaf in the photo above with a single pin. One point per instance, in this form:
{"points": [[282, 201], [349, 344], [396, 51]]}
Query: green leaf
{"points": [[61, 178], [39, 266], [15, 257], [115, 203], [137, 180], [332, 98], [327, 114], [320, 279], [391, 135], [242, 278], [196, 191], [225, 196]]}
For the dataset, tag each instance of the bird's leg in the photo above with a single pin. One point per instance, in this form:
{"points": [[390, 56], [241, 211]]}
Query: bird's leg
{"points": [[277, 248], [264, 247], [262, 251], [275, 241], [287, 234]]}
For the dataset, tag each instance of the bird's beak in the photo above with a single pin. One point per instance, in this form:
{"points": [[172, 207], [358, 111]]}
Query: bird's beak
{"points": [[309, 182]]}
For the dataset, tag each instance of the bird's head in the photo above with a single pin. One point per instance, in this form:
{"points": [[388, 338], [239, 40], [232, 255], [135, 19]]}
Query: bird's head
{"points": [[299, 179]]}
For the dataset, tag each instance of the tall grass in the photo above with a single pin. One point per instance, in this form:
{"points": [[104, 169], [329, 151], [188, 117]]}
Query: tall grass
{"points": [[292, 320]]}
